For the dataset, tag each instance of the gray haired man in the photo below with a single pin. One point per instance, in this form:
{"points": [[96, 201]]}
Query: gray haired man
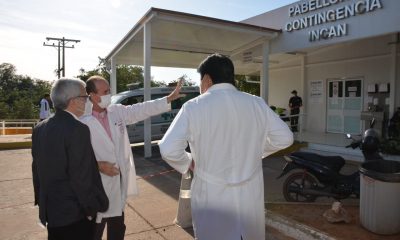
{"points": [[66, 178]]}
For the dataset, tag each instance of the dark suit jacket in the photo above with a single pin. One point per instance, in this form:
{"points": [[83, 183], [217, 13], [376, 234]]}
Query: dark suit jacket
{"points": [[65, 174]]}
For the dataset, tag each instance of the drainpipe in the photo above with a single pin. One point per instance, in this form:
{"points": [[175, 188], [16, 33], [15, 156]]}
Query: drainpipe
{"points": [[113, 76], [304, 90], [264, 79], [393, 73], [147, 87]]}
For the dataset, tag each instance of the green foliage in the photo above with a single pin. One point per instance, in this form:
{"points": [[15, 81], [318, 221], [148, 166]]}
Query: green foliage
{"points": [[126, 75], [4, 110], [24, 109], [20, 95], [186, 81], [243, 85], [84, 76]]}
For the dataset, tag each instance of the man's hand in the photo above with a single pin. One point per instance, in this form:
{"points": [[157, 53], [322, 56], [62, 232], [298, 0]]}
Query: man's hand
{"points": [[175, 94], [108, 168]]}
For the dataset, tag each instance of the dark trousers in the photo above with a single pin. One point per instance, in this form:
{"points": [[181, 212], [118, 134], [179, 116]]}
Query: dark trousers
{"points": [[294, 121], [81, 230], [115, 228]]}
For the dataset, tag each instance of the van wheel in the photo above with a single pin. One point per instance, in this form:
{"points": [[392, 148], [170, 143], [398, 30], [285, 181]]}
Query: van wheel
{"points": [[296, 183]]}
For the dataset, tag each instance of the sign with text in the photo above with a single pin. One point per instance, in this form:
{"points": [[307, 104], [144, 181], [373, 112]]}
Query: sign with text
{"points": [[316, 91], [306, 17]]}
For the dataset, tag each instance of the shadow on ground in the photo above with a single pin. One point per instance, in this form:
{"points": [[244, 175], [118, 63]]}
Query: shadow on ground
{"points": [[158, 173]]}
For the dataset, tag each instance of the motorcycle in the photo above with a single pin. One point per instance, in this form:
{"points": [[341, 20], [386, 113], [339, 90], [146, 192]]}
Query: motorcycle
{"points": [[312, 175]]}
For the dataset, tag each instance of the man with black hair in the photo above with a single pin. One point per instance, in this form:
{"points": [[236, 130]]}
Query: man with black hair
{"points": [[229, 132]]}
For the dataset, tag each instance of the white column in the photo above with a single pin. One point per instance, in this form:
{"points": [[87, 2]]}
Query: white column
{"points": [[393, 76], [147, 78], [303, 90], [113, 76], [264, 78]]}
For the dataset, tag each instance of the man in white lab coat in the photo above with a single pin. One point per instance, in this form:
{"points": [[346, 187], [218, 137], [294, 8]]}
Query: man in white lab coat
{"points": [[229, 132], [107, 123]]}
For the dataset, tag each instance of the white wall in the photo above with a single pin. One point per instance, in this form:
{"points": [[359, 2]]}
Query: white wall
{"points": [[367, 59], [282, 82], [364, 51], [369, 70]]}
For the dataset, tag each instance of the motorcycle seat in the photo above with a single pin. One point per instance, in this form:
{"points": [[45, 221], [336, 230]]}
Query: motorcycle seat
{"points": [[332, 162]]}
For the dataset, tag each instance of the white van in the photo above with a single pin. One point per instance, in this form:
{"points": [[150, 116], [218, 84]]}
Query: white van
{"points": [[159, 123]]}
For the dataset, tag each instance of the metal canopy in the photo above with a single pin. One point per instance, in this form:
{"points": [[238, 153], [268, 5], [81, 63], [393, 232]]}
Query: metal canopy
{"points": [[184, 40], [173, 39]]}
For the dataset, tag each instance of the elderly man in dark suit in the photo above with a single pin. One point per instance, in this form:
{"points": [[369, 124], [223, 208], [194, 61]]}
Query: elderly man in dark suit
{"points": [[66, 178]]}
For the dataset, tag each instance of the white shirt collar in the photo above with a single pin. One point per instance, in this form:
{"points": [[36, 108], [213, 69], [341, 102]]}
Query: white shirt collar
{"points": [[72, 114], [222, 86]]}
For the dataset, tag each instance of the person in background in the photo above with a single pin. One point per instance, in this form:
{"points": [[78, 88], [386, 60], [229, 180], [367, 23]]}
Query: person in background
{"points": [[107, 123], [44, 107], [65, 175], [295, 102], [229, 132], [394, 125]]}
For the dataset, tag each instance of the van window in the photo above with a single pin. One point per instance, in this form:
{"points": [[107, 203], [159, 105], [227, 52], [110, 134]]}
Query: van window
{"points": [[177, 104], [159, 122], [132, 100], [117, 98], [156, 96]]}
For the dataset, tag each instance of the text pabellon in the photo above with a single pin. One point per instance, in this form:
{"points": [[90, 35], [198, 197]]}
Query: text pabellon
{"points": [[324, 17]]}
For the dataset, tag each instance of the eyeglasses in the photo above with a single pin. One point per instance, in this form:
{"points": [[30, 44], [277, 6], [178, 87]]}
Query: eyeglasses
{"points": [[83, 96]]}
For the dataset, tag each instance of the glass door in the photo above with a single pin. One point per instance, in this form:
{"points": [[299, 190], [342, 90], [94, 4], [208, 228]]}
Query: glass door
{"points": [[344, 105]]}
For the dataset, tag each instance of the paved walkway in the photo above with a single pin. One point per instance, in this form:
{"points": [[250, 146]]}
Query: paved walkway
{"points": [[149, 216]]}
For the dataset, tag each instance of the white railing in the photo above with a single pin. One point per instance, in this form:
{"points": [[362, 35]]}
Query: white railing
{"points": [[17, 123], [300, 123]]}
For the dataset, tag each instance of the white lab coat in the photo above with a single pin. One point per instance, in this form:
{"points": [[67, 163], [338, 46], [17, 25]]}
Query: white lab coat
{"points": [[44, 109], [118, 150], [229, 132]]}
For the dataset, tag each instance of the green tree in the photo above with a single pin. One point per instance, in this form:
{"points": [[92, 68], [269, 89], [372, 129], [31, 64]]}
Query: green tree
{"points": [[186, 81], [243, 85], [7, 76], [20, 95], [126, 75], [24, 109], [4, 110], [84, 76]]}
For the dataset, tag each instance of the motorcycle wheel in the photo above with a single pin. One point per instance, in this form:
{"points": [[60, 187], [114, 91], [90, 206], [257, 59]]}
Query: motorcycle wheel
{"points": [[299, 180]]}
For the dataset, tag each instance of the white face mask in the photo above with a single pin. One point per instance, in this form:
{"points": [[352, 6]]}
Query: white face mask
{"points": [[105, 101], [88, 107]]}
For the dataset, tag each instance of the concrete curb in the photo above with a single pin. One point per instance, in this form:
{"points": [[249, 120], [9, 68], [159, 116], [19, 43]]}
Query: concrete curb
{"points": [[296, 146], [15, 145], [28, 144], [294, 229]]}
